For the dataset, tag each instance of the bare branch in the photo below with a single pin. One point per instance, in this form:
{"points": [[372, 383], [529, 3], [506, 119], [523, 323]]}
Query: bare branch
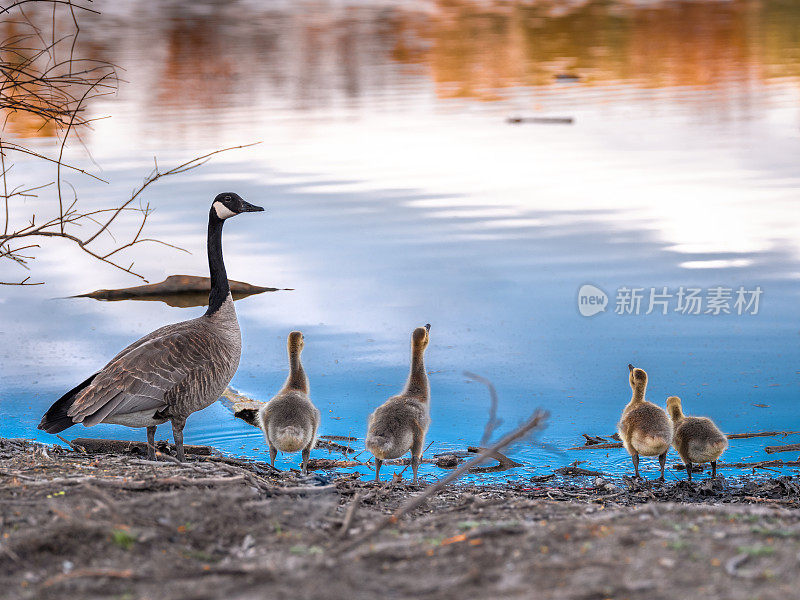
{"points": [[41, 76], [536, 422], [155, 175], [493, 423]]}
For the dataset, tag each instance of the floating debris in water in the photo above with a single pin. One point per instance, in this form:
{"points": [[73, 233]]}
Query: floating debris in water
{"points": [[178, 290]]}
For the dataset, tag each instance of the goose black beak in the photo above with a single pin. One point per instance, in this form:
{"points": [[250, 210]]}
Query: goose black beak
{"points": [[427, 326], [630, 367], [247, 207]]}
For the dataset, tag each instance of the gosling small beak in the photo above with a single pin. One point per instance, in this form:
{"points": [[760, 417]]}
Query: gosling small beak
{"points": [[427, 326], [630, 367], [247, 207]]}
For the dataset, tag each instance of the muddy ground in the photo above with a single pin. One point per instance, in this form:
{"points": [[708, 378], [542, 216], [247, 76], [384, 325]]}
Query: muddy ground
{"points": [[115, 526]]}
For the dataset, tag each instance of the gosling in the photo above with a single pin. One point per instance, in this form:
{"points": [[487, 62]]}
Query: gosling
{"points": [[696, 439], [400, 423], [644, 428], [289, 420]]}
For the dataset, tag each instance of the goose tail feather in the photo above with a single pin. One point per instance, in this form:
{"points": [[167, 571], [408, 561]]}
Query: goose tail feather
{"points": [[56, 420]]}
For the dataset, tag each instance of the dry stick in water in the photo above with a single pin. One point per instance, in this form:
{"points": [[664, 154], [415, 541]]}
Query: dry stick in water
{"points": [[739, 436], [535, 422], [598, 446], [493, 423], [786, 448], [730, 436]]}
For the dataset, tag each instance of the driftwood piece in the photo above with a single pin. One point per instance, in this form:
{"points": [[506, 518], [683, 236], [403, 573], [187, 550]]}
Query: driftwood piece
{"points": [[330, 463], [232, 399], [609, 445], [333, 447], [741, 436], [748, 465], [573, 471], [120, 446], [786, 448], [730, 436], [503, 462], [339, 438], [177, 290], [246, 464], [127, 484], [593, 440], [541, 120], [696, 468]]}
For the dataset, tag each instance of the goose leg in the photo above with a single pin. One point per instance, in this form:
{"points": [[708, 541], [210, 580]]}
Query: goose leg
{"points": [[713, 469], [378, 463], [177, 435], [689, 470], [151, 442], [635, 459], [662, 461], [415, 460], [306, 454], [273, 452], [416, 454]]}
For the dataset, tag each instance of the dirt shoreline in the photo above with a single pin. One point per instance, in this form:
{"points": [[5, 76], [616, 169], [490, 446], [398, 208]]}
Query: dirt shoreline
{"points": [[80, 525]]}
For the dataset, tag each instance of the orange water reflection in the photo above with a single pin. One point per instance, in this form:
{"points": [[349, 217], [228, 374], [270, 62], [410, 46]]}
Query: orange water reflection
{"points": [[317, 55], [477, 52]]}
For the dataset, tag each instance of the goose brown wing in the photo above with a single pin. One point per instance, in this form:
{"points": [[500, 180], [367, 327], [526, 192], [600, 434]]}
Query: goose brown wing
{"points": [[140, 376]]}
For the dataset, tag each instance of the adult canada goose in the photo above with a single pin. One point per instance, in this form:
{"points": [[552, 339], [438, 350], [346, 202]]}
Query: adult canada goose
{"points": [[289, 420], [696, 439], [400, 423], [172, 372], [644, 427]]}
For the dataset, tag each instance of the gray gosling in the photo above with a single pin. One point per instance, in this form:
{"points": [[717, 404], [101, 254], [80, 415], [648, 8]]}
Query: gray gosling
{"points": [[400, 423], [289, 420], [644, 427], [696, 439]]}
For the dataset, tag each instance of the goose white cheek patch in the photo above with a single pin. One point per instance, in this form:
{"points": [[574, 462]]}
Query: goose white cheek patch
{"points": [[223, 212]]}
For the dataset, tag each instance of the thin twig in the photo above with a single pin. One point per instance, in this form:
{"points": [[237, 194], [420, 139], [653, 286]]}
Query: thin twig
{"points": [[349, 515], [75, 447], [493, 423], [534, 423]]}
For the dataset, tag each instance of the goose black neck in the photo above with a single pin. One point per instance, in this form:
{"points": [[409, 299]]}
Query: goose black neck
{"points": [[216, 266]]}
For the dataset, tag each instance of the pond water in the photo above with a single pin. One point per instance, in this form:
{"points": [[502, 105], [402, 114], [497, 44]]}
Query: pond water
{"points": [[398, 194]]}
